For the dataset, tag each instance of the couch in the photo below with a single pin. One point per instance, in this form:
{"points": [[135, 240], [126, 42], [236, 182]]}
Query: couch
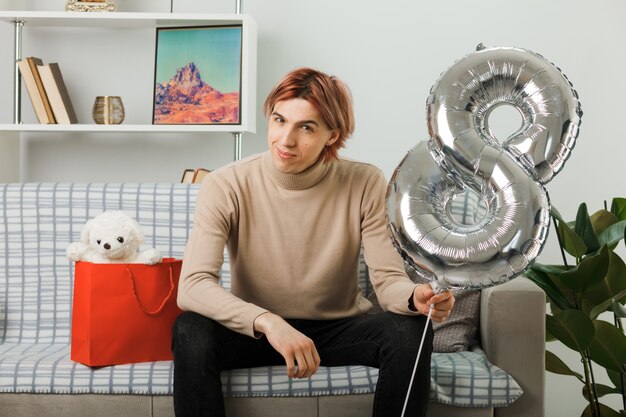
{"points": [[501, 375]]}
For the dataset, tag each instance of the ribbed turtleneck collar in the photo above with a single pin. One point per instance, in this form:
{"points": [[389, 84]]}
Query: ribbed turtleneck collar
{"points": [[300, 181]]}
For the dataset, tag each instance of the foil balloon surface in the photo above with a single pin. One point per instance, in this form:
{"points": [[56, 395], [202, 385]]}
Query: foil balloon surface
{"points": [[466, 209]]}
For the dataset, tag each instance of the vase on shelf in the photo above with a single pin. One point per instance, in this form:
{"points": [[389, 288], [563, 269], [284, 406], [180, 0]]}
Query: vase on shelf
{"points": [[90, 6], [108, 110]]}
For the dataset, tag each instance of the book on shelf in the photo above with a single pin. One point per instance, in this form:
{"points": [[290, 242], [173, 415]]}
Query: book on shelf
{"points": [[57, 93], [187, 176], [36, 90], [193, 176]]}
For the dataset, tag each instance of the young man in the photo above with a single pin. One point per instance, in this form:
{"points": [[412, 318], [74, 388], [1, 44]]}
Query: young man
{"points": [[294, 220]]}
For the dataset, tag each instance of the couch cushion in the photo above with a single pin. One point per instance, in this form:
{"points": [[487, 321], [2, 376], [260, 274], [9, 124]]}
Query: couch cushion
{"points": [[463, 379], [468, 379]]}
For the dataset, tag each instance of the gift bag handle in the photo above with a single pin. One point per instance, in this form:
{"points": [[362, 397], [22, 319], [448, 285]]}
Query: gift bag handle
{"points": [[167, 298]]}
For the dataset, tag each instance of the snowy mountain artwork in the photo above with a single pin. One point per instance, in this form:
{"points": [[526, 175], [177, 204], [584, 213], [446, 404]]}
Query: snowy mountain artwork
{"points": [[198, 76]]}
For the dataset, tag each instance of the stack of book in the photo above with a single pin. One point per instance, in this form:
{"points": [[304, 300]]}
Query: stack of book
{"points": [[47, 91], [194, 176]]}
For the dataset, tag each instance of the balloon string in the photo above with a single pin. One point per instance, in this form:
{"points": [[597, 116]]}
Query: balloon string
{"points": [[419, 352]]}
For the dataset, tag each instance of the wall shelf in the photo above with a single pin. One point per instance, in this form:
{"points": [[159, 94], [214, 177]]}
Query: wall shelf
{"points": [[115, 20], [121, 19], [121, 128], [85, 21]]}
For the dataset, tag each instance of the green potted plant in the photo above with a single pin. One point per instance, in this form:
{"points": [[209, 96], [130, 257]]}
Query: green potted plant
{"points": [[590, 284]]}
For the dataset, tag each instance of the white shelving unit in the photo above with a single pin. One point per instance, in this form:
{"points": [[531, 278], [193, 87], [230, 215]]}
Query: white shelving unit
{"points": [[125, 128], [23, 20]]}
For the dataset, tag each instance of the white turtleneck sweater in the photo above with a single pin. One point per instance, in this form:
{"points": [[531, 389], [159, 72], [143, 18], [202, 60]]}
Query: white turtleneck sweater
{"points": [[293, 242]]}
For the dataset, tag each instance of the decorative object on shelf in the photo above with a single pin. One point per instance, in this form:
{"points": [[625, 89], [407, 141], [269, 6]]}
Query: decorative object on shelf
{"points": [[90, 6], [198, 75], [108, 110]]}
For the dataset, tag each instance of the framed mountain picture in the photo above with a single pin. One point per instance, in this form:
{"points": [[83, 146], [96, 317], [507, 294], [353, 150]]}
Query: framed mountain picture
{"points": [[198, 75]]}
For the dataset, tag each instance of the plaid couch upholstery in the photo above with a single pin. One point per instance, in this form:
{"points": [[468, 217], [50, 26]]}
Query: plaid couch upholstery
{"points": [[40, 220]]}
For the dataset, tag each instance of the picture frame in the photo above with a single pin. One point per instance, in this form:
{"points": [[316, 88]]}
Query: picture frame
{"points": [[198, 75]]}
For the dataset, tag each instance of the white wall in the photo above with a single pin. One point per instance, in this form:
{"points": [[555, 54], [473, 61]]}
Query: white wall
{"points": [[390, 53]]}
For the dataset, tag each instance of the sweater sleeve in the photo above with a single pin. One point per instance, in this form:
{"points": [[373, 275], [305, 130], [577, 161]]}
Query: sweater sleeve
{"points": [[199, 288], [386, 268]]}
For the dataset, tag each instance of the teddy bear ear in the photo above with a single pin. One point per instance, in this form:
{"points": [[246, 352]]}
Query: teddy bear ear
{"points": [[137, 231], [84, 233]]}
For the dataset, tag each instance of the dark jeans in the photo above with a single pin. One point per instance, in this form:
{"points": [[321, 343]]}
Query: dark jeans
{"points": [[203, 348]]}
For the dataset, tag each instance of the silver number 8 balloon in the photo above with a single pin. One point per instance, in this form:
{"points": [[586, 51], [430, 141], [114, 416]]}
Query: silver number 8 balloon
{"points": [[464, 171]]}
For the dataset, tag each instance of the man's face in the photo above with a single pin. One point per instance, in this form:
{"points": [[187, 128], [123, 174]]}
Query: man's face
{"points": [[297, 135]]}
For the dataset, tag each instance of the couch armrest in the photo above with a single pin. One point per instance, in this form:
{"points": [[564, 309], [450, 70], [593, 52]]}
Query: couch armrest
{"points": [[512, 330]]}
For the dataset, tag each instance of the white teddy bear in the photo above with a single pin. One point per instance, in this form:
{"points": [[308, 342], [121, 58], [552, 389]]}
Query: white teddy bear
{"points": [[112, 237]]}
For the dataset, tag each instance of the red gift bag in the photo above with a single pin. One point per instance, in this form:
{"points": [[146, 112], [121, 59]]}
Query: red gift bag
{"points": [[124, 313]]}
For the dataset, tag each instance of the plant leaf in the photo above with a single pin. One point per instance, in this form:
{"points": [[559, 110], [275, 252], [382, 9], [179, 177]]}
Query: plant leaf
{"points": [[555, 309], [618, 207], [555, 213], [604, 306], [550, 337], [604, 411], [608, 347], [601, 390], [555, 365], [602, 219], [549, 269], [570, 241], [584, 229], [613, 233], [598, 298], [549, 287], [614, 376], [572, 327], [618, 309], [589, 272]]}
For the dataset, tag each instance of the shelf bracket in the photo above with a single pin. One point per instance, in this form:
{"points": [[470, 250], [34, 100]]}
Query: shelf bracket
{"points": [[238, 144], [17, 78], [238, 135]]}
